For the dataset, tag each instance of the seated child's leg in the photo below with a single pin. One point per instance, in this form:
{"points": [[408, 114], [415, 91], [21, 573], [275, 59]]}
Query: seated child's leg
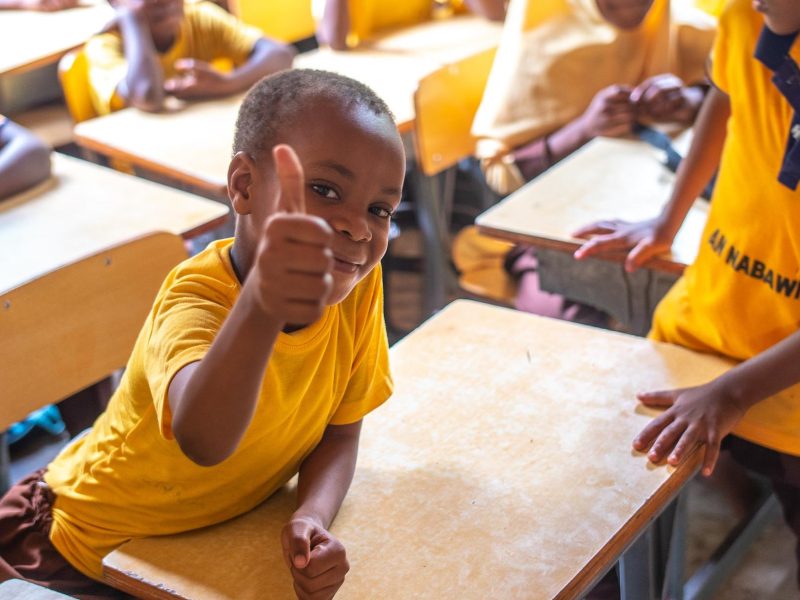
{"points": [[783, 470], [25, 548]]}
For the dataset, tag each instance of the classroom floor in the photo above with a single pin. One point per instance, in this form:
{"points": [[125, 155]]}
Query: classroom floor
{"points": [[766, 572]]}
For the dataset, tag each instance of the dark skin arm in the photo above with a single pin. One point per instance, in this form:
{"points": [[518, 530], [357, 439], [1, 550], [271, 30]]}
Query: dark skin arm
{"points": [[211, 402], [654, 236], [198, 79], [24, 159], [707, 413], [494, 10], [334, 26], [317, 560], [143, 86]]}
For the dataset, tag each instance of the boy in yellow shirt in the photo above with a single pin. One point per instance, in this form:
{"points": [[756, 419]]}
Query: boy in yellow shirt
{"points": [[342, 24], [741, 296], [260, 357], [165, 47]]}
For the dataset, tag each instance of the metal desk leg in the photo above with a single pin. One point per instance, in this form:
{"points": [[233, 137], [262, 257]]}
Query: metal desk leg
{"points": [[5, 464], [635, 568]]}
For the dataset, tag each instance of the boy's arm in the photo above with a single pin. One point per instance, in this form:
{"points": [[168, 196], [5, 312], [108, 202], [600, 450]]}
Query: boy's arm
{"points": [[24, 159], [706, 414], [198, 79], [649, 238], [212, 401], [494, 10], [143, 86], [317, 560], [334, 26]]}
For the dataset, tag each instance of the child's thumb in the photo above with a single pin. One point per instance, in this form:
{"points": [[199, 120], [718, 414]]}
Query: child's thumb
{"points": [[300, 549]]}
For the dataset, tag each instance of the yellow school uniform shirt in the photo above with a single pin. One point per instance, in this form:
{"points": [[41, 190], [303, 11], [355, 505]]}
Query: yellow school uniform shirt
{"points": [[742, 294], [368, 17], [208, 33], [128, 477]]}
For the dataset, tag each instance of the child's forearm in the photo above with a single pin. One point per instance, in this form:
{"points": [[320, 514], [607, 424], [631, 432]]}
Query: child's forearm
{"points": [[24, 160], [268, 57], [334, 26], [540, 154], [326, 473], [494, 10], [213, 400], [143, 86], [764, 375], [701, 162]]}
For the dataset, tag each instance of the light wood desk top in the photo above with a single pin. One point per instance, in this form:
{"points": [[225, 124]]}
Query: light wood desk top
{"points": [[501, 468], [606, 179], [85, 208], [193, 144], [22, 590], [31, 39]]}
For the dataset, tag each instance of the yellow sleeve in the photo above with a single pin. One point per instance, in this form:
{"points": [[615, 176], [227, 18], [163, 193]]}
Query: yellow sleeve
{"points": [[185, 323], [218, 34], [720, 55], [106, 68], [370, 383]]}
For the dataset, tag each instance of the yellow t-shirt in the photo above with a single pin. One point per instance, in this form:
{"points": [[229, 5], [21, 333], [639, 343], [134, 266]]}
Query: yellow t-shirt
{"points": [[742, 294], [368, 17], [207, 33], [128, 477]]}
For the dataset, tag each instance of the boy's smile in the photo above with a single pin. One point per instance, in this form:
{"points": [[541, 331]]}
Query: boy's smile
{"points": [[354, 164]]}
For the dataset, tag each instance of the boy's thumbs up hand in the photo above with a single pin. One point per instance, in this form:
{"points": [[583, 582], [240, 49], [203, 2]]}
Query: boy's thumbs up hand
{"points": [[317, 559], [291, 274]]}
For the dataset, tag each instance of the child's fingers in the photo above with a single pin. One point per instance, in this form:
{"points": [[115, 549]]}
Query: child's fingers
{"points": [[688, 440], [662, 398], [646, 436], [600, 244], [666, 441], [291, 179], [596, 228], [711, 455], [641, 253], [185, 64]]}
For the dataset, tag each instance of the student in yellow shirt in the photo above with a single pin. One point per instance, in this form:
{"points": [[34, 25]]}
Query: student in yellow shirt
{"points": [[342, 24], [741, 296], [259, 359], [24, 159], [166, 47]]}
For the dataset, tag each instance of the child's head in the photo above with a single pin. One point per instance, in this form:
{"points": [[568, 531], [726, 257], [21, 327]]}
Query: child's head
{"points": [[781, 16], [164, 17], [625, 14], [352, 157]]}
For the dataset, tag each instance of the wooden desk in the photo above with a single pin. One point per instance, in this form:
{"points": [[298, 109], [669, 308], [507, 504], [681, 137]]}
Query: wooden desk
{"points": [[30, 39], [22, 590], [501, 468], [606, 179], [84, 208], [193, 144]]}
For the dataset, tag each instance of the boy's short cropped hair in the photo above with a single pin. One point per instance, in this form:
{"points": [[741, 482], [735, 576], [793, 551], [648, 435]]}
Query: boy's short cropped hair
{"points": [[277, 98]]}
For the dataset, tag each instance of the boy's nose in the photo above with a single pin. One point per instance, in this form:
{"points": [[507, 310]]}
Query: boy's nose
{"points": [[354, 227]]}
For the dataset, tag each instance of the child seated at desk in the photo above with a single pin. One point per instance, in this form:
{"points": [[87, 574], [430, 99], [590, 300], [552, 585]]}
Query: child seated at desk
{"points": [[260, 357], [166, 47], [24, 159], [566, 72], [343, 24], [740, 298]]}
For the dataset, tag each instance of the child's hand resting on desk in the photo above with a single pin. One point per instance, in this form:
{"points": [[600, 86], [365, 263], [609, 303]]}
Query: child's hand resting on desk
{"points": [[644, 239], [196, 80], [317, 560], [666, 99], [698, 415], [291, 273]]}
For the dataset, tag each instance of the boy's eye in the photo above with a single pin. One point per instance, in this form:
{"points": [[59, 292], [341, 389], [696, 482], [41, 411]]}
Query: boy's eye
{"points": [[381, 211], [325, 191]]}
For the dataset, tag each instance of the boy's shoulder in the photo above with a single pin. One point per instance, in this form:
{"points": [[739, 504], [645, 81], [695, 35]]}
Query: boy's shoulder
{"points": [[208, 274]]}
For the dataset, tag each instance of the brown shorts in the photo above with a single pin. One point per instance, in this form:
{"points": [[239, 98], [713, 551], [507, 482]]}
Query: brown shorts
{"points": [[25, 548]]}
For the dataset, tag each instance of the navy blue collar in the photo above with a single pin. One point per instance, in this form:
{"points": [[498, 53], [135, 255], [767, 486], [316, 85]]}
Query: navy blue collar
{"points": [[773, 51]]}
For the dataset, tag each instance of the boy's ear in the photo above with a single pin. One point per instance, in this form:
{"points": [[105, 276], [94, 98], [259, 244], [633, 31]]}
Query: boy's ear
{"points": [[242, 175]]}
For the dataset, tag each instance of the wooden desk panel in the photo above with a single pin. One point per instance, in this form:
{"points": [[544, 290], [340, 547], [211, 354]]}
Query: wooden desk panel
{"points": [[501, 468], [193, 143], [84, 208], [31, 39], [606, 179]]}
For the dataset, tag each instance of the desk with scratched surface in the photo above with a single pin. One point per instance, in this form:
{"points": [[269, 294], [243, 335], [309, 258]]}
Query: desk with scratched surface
{"points": [[501, 467], [606, 179]]}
